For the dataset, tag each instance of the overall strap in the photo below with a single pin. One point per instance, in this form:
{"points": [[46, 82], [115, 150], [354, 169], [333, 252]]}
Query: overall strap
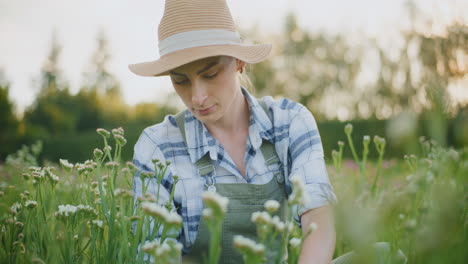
{"points": [[204, 165]]}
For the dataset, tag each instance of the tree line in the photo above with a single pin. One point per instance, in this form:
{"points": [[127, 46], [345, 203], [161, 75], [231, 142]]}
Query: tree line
{"points": [[407, 96]]}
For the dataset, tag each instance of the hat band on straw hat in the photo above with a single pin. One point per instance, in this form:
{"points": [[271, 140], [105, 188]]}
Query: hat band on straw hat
{"points": [[198, 38]]}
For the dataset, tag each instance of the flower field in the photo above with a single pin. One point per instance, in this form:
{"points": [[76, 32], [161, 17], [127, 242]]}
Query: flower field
{"points": [[87, 213]]}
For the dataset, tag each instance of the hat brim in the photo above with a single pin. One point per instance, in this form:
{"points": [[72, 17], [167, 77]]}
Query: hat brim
{"points": [[245, 52]]}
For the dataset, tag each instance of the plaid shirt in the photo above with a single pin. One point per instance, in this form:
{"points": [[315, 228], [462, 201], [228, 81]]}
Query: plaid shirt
{"points": [[292, 130]]}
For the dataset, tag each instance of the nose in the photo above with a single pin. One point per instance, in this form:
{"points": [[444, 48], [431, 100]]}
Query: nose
{"points": [[199, 94]]}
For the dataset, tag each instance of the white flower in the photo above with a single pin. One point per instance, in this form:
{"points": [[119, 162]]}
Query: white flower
{"points": [[312, 227], [272, 206], [30, 204], [178, 247], [117, 191], [278, 224], [244, 243], [299, 195], [34, 168], [295, 242], [53, 178], [98, 223], [214, 199], [107, 149], [163, 249], [149, 247], [66, 165], [112, 164], [16, 206], [207, 213], [103, 132], [261, 218], [118, 131], [66, 210], [98, 153], [120, 140], [154, 209], [297, 182], [173, 218], [366, 139]]}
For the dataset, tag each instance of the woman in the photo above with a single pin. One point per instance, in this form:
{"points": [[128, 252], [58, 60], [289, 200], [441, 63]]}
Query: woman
{"points": [[219, 142]]}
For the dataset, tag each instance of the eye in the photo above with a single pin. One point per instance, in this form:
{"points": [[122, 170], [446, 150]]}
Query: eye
{"points": [[211, 76], [180, 81]]}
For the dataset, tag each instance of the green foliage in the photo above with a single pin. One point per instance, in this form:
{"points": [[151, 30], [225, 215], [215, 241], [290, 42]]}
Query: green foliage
{"points": [[83, 213], [420, 208], [9, 124]]}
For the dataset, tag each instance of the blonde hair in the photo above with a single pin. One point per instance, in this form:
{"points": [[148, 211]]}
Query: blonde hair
{"points": [[244, 78]]}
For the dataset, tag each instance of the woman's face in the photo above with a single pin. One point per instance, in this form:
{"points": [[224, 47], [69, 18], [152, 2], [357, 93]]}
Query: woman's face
{"points": [[208, 87]]}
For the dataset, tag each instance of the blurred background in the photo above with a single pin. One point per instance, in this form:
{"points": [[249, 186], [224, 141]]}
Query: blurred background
{"points": [[396, 69]]}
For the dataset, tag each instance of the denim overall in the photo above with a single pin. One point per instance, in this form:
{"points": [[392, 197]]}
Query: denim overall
{"points": [[244, 199]]}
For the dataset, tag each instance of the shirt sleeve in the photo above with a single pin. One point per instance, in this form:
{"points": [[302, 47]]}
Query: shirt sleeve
{"points": [[145, 151], [307, 162]]}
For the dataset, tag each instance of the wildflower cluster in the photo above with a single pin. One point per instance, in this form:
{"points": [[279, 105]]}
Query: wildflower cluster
{"points": [[66, 211], [298, 196], [213, 214], [167, 252], [160, 213], [86, 168], [40, 175], [216, 204], [253, 252], [87, 211]]}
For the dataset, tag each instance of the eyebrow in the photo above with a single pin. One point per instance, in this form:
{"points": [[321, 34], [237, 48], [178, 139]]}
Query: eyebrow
{"points": [[207, 67]]}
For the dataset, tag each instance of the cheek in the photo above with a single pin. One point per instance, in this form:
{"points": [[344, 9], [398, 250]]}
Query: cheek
{"points": [[184, 94]]}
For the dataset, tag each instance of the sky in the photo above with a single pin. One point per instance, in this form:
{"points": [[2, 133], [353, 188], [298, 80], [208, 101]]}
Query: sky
{"points": [[27, 26]]}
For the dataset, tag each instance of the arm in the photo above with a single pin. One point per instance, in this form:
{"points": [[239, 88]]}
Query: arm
{"points": [[319, 246]]}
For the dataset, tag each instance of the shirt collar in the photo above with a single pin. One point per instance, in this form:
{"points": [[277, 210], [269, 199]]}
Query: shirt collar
{"points": [[200, 141]]}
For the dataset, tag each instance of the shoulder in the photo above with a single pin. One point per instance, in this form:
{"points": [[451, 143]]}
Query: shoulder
{"points": [[284, 110], [156, 139]]}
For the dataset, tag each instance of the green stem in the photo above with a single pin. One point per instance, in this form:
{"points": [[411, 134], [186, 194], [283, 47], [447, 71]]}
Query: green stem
{"points": [[215, 245], [351, 146], [379, 167]]}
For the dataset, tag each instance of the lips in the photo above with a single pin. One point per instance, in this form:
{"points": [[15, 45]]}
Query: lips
{"points": [[205, 111]]}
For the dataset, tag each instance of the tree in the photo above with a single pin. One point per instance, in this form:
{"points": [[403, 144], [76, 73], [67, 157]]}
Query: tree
{"points": [[102, 85], [311, 69], [8, 120], [52, 112]]}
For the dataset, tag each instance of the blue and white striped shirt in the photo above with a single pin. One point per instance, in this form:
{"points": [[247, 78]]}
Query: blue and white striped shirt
{"points": [[292, 129]]}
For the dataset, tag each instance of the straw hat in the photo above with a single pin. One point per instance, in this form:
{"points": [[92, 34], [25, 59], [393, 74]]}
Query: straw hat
{"points": [[194, 29]]}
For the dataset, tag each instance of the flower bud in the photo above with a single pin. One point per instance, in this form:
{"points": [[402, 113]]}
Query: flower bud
{"points": [[107, 149], [103, 132], [98, 153], [118, 131], [120, 140], [348, 129], [272, 206], [26, 176], [366, 139]]}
